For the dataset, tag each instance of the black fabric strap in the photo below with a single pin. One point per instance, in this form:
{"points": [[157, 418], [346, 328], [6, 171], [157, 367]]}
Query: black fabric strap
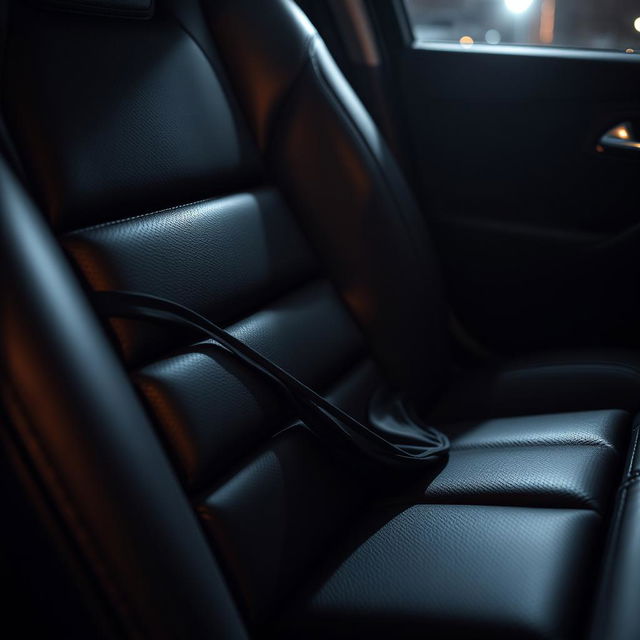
{"points": [[415, 444]]}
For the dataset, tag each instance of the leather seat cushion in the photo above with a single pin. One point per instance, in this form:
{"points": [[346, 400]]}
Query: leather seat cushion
{"points": [[456, 571], [273, 520], [576, 381], [568, 460], [595, 428], [562, 460], [556, 476]]}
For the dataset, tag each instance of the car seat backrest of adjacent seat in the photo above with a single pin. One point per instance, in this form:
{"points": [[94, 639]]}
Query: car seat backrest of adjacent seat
{"points": [[216, 157]]}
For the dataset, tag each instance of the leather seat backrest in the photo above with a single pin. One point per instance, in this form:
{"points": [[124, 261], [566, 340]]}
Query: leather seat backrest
{"points": [[217, 157]]}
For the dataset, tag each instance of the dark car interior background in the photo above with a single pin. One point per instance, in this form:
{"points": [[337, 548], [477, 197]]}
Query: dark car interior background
{"points": [[397, 393]]}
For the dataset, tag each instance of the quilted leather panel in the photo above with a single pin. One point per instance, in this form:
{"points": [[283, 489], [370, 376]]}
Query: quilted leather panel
{"points": [[277, 515], [456, 571], [223, 257], [581, 477], [211, 409], [598, 428], [308, 332]]}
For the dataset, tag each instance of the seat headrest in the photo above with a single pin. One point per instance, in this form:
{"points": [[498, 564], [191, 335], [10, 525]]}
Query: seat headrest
{"points": [[139, 9]]}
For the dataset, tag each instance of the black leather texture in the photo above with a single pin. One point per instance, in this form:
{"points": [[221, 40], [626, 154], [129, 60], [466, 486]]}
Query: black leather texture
{"points": [[275, 518], [596, 428], [583, 478], [455, 571], [616, 614], [358, 211], [214, 155], [93, 445], [222, 257], [167, 132]]}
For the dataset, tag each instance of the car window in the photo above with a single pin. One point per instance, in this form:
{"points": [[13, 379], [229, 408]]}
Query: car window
{"points": [[592, 24]]}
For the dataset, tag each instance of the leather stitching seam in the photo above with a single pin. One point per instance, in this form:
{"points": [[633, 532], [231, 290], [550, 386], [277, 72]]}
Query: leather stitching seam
{"points": [[632, 479], [635, 448], [499, 445], [612, 543], [137, 217]]}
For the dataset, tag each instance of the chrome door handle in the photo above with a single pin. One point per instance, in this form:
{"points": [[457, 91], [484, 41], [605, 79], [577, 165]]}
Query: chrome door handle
{"points": [[622, 136]]}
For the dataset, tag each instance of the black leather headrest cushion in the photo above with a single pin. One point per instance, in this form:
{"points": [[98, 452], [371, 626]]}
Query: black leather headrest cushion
{"points": [[140, 9]]}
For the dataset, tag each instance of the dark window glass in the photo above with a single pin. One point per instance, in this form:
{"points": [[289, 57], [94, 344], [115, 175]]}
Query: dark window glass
{"points": [[591, 24]]}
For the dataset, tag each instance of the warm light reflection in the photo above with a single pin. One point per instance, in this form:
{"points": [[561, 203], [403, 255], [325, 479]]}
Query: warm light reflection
{"points": [[547, 21], [466, 41], [621, 132]]}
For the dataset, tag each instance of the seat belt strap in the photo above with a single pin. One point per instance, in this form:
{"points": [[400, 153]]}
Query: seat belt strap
{"points": [[325, 420]]}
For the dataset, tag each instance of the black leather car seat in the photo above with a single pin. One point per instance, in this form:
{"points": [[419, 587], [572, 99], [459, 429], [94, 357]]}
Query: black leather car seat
{"points": [[214, 155]]}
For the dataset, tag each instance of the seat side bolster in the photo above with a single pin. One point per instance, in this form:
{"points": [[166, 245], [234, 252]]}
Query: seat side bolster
{"points": [[616, 615], [274, 50], [119, 499], [338, 175]]}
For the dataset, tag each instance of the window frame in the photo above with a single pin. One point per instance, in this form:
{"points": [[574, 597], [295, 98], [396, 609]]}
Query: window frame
{"points": [[530, 50]]}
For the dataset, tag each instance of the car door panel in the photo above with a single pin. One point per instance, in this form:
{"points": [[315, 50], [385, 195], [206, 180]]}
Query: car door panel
{"points": [[534, 222]]}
